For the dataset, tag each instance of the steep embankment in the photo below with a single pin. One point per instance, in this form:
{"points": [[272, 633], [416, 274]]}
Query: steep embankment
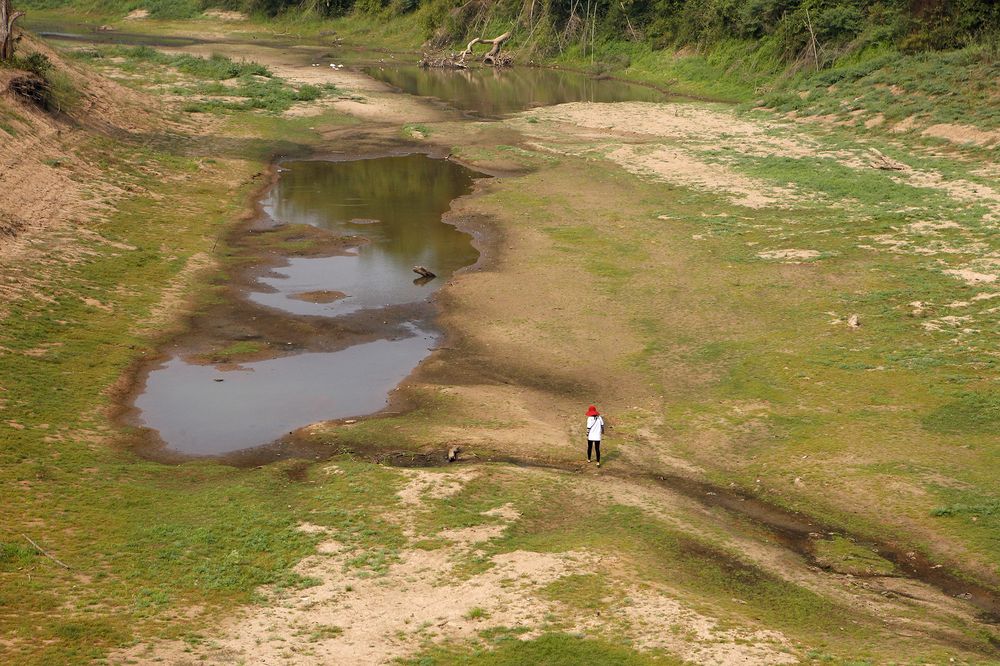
{"points": [[44, 184]]}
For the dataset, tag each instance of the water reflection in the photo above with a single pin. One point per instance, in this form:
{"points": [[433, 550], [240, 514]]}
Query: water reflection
{"points": [[493, 92], [200, 410], [396, 202]]}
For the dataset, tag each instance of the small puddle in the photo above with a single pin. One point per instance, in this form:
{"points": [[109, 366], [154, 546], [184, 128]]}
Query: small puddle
{"points": [[91, 33], [494, 92], [392, 208]]}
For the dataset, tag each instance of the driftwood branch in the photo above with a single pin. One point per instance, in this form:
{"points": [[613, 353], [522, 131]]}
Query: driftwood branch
{"points": [[457, 60], [490, 58], [46, 554], [423, 272], [468, 49]]}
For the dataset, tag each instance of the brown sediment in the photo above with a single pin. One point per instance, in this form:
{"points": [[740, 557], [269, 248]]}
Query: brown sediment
{"points": [[272, 245], [321, 296]]}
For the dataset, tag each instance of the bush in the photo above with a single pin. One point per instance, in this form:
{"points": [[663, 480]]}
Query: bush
{"points": [[172, 9], [838, 23], [36, 63], [217, 67]]}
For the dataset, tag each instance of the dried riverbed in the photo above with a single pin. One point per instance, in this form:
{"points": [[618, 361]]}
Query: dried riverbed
{"points": [[311, 317]]}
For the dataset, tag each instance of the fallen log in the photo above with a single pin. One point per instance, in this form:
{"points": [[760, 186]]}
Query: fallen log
{"points": [[423, 272]]}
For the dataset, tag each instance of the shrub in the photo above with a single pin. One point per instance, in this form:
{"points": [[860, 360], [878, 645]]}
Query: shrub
{"points": [[36, 63]]}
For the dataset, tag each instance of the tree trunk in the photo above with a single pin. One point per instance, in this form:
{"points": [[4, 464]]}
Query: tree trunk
{"points": [[7, 19]]}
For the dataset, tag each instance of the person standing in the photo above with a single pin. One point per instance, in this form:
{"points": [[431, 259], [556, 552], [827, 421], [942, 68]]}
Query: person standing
{"points": [[595, 428]]}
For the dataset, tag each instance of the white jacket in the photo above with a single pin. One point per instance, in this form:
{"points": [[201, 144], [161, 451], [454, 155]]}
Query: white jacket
{"points": [[595, 427]]}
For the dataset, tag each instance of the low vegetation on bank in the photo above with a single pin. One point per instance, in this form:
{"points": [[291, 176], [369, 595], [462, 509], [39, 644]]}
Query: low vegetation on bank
{"points": [[732, 49]]}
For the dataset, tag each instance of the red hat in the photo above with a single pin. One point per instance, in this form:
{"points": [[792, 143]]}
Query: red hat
{"points": [[592, 411]]}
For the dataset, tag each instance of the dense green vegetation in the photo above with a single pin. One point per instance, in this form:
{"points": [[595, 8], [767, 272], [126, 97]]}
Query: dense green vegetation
{"points": [[781, 29], [744, 50], [785, 26]]}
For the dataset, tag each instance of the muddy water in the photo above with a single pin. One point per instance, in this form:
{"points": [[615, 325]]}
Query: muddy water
{"points": [[392, 207], [396, 203], [494, 92], [90, 33], [200, 410]]}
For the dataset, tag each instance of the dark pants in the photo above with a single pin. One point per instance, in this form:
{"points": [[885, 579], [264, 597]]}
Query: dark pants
{"points": [[595, 445]]}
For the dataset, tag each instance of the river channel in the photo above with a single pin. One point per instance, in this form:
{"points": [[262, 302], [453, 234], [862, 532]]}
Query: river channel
{"points": [[302, 337], [330, 330]]}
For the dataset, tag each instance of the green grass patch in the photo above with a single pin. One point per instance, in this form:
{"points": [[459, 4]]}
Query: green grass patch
{"points": [[973, 412], [416, 131], [587, 592], [476, 613], [217, 67], [845, 556], [984, 509], [550, 649]]}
